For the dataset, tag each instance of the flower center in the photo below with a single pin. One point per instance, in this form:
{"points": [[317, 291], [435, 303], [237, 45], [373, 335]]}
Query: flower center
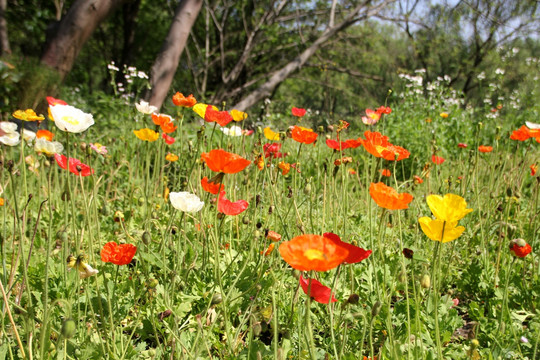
{"points": [[70, 120], [314, 254]]}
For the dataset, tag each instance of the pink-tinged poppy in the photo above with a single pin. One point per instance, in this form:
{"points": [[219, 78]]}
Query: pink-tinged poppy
{"points": [[462, 145], [272, 150], [356, 254], [371, 118], [75, 165], [228, 207], [52, 101], [384, 110], [298, 112], [317, 291], [220, 117], [169, 140], [437, 159]]}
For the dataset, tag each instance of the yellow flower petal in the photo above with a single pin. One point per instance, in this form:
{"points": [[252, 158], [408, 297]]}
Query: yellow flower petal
{"points": [[449, 208], [433, 228], [200, 109], [146, 134], [27, 115], [238, 115], [270, 135]]}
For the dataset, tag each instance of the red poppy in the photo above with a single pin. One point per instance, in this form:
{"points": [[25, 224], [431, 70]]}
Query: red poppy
{"points": [[522, 134], [312, 252], [384, 110], [336, 145], [388, 198], [118, 254], [437, 159], [272, 150], [75, 165], [228, 207], [303, 135], [52, 101], [180, 100], [219, 160], [385, 172], [212, 188], [317, 291], [356, 254], [534, 169], [485, 149], [379, 146], [46, 134], [169, 140], [519, 248], [298, 112], [462, 145], [220, 117]]}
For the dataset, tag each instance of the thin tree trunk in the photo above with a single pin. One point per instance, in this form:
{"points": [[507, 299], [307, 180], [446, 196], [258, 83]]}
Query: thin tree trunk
{"points": [[164, 68], [4, 40]]}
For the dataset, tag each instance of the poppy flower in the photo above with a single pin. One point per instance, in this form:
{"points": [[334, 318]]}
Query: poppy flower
{"points": [[317, 291], [384, 110], [274, 236], [180, 100], [100, 149], [520, 248], [269, 249], [70, 119], [212, 188], [200, 109], [270, 135], [379, 146], [462, 145], [371, 118], [171, 157], [259, 162], [146, 134], [444, 115], [437, 159], [238, 115], [220, 117], [485, 149], [343, 160], [49, 148], [388, 198], [303, 135], [434, 229], [118, 254], [46, 134], [145, 108], [450, 208], [27, 115], [313, 252], [185, 201], [228, 207], [418, 179], [232, 131], [169, 140], [52, 101], [75, 165], [272, 150], [385, 172], [337, 145], [285, 167], [2, 201], [298, 112], [160, 119], [521, 134], [219, 160], [356, 253], [534, 169]]}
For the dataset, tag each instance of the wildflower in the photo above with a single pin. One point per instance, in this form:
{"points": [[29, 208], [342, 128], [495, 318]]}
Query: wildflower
{"points": [[437, 159], [200, 109], [169, 140], [180, 100], [28, 135], [145, 108], [52, 101], [343, 160], [33, 164], [45, 134], [371, 118], [379, 146], [285, 167], [352, 172], [303, 135], [100, 149], [219, 160], [27, 115], [342, 145], [2, 201], [165, 122], [534, 169], [238, 115], [272, 150], [171, 157], [418, 179], [356, 254], [313, 252], [385, 172], [274, 236], [384, 110], [520, 248], [118, 254], [462, 145], [75, 165], [434, 228], [49, 148], [80, 264], [269, 249], [485, 149], [228, 207], [220, 117], [444, 115], [388, 198], [298, 112], [186, 202], [212, 188], [10, 138], [259, 162], [270, 135], [70, 119], [146, 134], [522, 134], [532, 125], [317, 291], [232, 131], [450, 208]]}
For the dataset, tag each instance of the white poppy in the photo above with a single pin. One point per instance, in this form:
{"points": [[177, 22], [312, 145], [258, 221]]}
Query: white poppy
{"points": [[232, 131], [49, 148], [28, 135], [145, 108], [70, 119], [7, 127], [185, 201], [532, 126], [10, 139]]}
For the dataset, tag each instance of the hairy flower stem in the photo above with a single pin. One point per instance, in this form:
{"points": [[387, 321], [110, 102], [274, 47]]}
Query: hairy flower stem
{"points": [[436, 283]]}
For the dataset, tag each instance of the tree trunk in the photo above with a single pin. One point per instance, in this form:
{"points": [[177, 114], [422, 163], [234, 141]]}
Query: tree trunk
{"points": [[4, 40], [83, 17], [164, 68]]}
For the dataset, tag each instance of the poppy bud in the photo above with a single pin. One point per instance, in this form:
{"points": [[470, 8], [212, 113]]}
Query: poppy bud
{"points": [[217, 299], [146, 238], [353, 299], [257, 200], [402, 277], [69, 328], [289, 195], [174, 229], [330, 128], [520, 248], [376, 309], [408, 253], [271, 209], [83, 146], [65, 196], [118, 216], [164, 314], [257, 328], [152, 283], [307, 189], [245, 220], [9, 165], [425, 282], [257, 234]]}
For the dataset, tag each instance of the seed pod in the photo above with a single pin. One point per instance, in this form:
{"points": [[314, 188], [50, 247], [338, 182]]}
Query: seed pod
{"points": [[217, 299], [152, 283], [146, 238], [69, 328], [164, 314], [376, 309], [307, 189], [245, 220], [425, 282]]}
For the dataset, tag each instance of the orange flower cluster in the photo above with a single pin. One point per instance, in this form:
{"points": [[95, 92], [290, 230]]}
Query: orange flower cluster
{"points": [[379, 146], [524, 133], [303, 135], [165, 122]]}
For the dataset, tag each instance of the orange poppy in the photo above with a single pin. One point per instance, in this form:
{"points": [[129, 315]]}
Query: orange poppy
{"points": [[519, 248], [168, 127], [272, 235], [521, 134], [269, 249], [220, 117], [285, 167], [385, 172], [52, 101], [303, 135], [313, 252], [219, 160], [437, 159], [211, 187], [388, 198], [160, 119], [379, 146], [485, 149], [534, 169], [118, 254], [46, 134], [180, 100], [337, 145], [171, 157], [418, 179]]}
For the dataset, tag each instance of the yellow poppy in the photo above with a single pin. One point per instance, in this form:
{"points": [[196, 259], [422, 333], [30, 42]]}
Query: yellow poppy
{"points": [[171, 157], [271, 135], [434, 229], [200, 109], [238, 115], [146, 134], [449, 208], [27, 115]]}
